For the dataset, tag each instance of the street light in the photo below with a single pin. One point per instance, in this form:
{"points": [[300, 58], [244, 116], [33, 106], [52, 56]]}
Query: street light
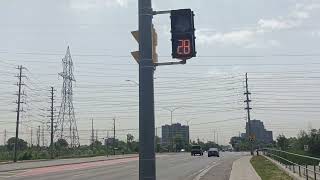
{"points": [[170, 132], [171, 111], [187, 121]]}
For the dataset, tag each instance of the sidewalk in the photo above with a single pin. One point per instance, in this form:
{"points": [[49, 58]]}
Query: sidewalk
{"points": [[56, 162], [243, 170]]}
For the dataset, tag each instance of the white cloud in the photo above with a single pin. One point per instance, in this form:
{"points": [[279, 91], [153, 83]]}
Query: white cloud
{"points": [[85, 5], [276, 24], [300, 15], [252, 38], [274, 43], [293, 19], [234, 37], [312, 6], [122, 3], [316, 33]]}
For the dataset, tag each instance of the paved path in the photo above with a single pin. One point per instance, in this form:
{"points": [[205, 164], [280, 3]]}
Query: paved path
{"points": [[243, 170], [179, 166]]}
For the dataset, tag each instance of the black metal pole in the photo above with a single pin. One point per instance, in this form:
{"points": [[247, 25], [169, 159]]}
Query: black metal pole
{"points": [[147, 169]]}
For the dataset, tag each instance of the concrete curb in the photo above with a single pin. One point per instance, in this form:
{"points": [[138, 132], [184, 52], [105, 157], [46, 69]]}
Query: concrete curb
{"points": [[69, 163], [291, 174]]}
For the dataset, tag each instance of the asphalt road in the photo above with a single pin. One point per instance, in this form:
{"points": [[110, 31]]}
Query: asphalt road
{"points": [[169, 167]]}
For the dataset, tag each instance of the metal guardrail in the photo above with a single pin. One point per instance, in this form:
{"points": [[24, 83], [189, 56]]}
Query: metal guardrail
{"points": [[304, 170]]}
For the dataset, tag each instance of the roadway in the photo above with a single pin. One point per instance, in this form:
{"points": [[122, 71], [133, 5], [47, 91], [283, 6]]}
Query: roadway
{"points": [[179, 166]]}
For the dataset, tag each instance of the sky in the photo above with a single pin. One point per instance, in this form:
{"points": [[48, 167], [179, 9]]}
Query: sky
{"points": [[275, 42]]}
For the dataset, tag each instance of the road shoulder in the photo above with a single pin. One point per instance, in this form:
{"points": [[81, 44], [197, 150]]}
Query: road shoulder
{"points": [[222, 170]]}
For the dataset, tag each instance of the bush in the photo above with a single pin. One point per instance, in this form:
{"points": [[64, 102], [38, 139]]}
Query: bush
{"points": [[27, 155]]}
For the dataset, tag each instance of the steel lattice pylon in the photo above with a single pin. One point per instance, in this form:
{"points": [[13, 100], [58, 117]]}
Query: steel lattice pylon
{"points": [[66, 122]]}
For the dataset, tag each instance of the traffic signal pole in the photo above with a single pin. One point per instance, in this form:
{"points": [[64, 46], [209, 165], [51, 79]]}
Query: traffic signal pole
{"points": [[147, 167]]}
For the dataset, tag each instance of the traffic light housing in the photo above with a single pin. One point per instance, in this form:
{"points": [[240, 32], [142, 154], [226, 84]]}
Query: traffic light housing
{"points": [[136, 54], [182, 34]]}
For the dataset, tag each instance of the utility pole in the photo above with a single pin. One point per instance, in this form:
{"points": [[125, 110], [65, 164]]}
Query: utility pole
{"points": [[107, 143], [18, 114], [214, 136], [42, 135], [31, 143], [92, 133], [114, 136], [147, 166], [218, 138], [51, 119], [38, 136], [96, 135], [5, 137], [249, 134]]}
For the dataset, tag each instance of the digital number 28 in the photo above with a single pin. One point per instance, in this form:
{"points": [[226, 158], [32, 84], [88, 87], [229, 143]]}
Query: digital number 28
{"points": [[184, 47]]}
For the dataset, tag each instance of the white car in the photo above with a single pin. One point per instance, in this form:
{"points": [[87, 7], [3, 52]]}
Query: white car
{"points": [[213, 152]]}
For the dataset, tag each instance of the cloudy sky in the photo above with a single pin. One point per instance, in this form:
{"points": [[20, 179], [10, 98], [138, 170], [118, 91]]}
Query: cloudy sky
{"points": [[276, 42]]}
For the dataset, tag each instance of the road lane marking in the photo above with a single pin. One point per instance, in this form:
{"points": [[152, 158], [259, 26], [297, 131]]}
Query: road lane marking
{"points": [[10, 173], [204, 171]]}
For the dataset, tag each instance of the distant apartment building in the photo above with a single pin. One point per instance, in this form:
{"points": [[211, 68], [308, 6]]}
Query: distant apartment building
{"points": [[169, 132], [259, 132]]}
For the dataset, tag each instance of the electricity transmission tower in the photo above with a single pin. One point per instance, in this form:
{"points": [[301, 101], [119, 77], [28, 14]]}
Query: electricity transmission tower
{"points": [[67, 125]]}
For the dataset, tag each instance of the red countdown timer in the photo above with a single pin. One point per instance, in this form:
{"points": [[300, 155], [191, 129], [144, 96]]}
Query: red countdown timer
{"points": [[184, 47]]}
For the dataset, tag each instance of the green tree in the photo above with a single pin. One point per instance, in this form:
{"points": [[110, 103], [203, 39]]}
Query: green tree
{"points": [[61, 143], [210, 144], [96, 144], [282, 142], [22, 145], [313, 141], [130, 137]]}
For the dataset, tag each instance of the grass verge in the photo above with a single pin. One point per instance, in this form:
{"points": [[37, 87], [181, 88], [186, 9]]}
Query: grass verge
{"points": [[267, 170]]}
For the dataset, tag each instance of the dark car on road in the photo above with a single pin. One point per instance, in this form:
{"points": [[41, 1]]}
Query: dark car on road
{"points": [[196, 150], [213, 152]]}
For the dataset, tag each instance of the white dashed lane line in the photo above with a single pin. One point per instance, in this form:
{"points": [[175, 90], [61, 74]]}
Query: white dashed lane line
{"points": [[10, 173]]}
